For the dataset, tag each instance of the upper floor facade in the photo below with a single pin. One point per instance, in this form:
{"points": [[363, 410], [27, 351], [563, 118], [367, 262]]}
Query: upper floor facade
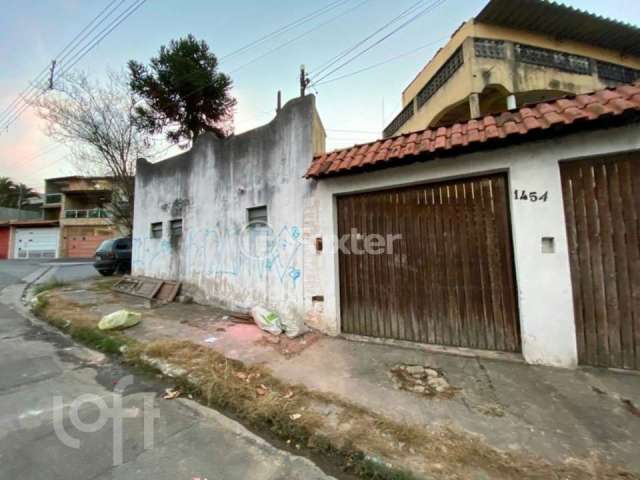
{"points": [[515, 53], [78, 200]]}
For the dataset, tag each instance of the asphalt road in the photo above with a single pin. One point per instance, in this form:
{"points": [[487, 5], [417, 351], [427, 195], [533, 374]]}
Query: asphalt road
{"points": [[69, 413]]}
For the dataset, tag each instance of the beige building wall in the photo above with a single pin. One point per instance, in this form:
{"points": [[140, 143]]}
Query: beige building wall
{"points": [[497, 78]]}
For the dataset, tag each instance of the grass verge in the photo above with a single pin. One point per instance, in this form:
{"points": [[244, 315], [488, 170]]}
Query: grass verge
{"points": [[84, 331]]}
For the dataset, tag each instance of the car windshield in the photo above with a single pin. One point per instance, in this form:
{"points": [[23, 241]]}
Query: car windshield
{"points": [[105, 246]]}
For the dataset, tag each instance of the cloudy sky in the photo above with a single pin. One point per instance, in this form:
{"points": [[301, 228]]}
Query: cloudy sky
{"points": [[354, 109]]}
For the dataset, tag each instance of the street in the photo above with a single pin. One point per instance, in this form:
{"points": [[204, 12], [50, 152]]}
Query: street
{"points": [[59, 414]]}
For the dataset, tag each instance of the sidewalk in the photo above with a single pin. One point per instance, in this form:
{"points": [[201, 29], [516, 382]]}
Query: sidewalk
{"points": [[584, 415]]}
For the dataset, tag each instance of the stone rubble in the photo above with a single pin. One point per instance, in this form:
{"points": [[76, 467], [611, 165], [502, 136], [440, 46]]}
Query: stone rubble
{"points": [[420, 379]]}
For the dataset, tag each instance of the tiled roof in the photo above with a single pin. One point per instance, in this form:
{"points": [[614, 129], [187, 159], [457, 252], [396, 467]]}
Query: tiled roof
{"points": [[522, 124]]}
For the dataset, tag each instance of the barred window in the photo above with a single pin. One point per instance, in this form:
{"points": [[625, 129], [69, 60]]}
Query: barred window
{"points": [[552, 58], [488, 48], [441, 77], [614, 74], [402, 118]]}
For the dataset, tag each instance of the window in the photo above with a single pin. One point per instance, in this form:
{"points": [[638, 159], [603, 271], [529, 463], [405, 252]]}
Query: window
{"points": [[156, 230], [257, 216], [489, 48], [175, 227], [552, 58]]}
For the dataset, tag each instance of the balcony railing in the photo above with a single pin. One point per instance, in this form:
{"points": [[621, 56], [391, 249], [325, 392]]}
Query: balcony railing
{"points": [[53, 198], [87, 213]]}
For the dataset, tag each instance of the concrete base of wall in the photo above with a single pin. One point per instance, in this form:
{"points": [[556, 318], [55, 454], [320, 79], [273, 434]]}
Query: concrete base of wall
{"points": [[464, 352]]}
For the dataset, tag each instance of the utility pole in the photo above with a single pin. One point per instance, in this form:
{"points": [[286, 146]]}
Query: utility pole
{"points": [[279, 102], [51, 72], [304, 81]]}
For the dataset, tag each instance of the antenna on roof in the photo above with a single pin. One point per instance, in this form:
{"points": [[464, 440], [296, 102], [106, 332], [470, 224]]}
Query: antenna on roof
{"points": [[304, 81], [51, 72]]}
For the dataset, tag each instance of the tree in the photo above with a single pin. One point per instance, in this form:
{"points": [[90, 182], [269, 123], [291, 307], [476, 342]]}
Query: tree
{"points": [[14, 195], [183, 91], [97, 121]]}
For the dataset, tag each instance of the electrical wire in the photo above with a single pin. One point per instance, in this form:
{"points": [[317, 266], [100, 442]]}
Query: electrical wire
{"points": [[344, 53], [90, 45], [287, 27], [379, 64], [38, 77], [298, 37], [415, 17]]}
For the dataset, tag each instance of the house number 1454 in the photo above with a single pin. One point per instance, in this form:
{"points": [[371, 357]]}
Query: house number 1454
{"points": [[530, 196]]}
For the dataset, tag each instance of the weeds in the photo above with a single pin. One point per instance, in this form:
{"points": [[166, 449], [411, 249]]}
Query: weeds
{"points": [[104, 285], [48, 285]]}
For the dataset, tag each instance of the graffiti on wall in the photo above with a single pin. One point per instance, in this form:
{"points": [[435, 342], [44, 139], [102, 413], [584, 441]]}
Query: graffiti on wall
{"points": [[250, 253]]}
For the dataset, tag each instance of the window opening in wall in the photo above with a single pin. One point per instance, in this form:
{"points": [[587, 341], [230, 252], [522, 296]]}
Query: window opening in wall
{"points": [[156, 230], [257, 216], [175, 227]]}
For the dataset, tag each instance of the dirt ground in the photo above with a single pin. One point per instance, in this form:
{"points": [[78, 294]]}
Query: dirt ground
{"points": [[442, 416]]}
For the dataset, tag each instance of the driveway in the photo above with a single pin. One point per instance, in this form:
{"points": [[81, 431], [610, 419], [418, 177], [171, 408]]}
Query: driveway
{"points": [[60, 419]]}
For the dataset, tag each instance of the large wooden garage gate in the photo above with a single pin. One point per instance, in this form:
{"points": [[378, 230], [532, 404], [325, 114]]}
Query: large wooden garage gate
{"points": [[448, 281], [602, 208]]}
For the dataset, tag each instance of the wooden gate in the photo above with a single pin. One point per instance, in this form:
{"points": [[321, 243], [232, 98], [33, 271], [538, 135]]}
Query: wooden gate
{"points": [[448, 280], [602, 210]]}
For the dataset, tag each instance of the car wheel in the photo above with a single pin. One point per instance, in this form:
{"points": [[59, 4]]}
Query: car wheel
{"points": [[106, 273]]}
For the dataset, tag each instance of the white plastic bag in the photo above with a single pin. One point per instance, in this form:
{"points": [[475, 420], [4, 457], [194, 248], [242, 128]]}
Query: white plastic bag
{"points": [[119, 320], [293, 327], [267, 320]]}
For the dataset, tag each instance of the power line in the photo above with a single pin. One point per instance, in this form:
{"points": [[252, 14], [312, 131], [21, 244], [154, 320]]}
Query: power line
{"points": [[379, 64], [273, 34], [303, 34], [90, 45], [346, 52], [287, 27], [415, 17], [107, 30], [38, 77]]}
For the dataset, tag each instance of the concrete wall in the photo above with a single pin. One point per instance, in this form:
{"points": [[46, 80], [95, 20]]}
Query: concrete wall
{"points": [[210, 188], [543, 279]]}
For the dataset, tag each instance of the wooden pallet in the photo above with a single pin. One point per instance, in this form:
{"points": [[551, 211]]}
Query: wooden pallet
{"points": [[164, 291]]}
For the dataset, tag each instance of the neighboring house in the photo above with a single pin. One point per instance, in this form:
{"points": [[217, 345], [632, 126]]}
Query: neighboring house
{"points": [[25, 239], [80, 204], [520, 233], [518, 52], [227, 217]]}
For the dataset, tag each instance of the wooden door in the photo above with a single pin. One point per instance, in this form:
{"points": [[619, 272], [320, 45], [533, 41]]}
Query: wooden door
{"points": [[602, 207], [448, 279]]}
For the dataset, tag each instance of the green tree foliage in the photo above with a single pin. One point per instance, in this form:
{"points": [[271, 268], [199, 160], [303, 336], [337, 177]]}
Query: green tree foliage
{"points": [[14, 195], [184, 93]]}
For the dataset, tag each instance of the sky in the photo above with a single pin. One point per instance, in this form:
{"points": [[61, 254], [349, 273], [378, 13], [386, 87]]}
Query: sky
{"points": [[353, 109]]}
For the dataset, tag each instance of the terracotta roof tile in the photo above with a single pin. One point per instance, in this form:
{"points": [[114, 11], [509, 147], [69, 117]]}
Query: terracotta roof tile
{"points": [[466, 136]]}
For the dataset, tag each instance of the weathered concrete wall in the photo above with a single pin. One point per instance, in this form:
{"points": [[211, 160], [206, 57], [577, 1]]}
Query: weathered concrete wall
{"points": [[543, 279], [210, 188]]}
